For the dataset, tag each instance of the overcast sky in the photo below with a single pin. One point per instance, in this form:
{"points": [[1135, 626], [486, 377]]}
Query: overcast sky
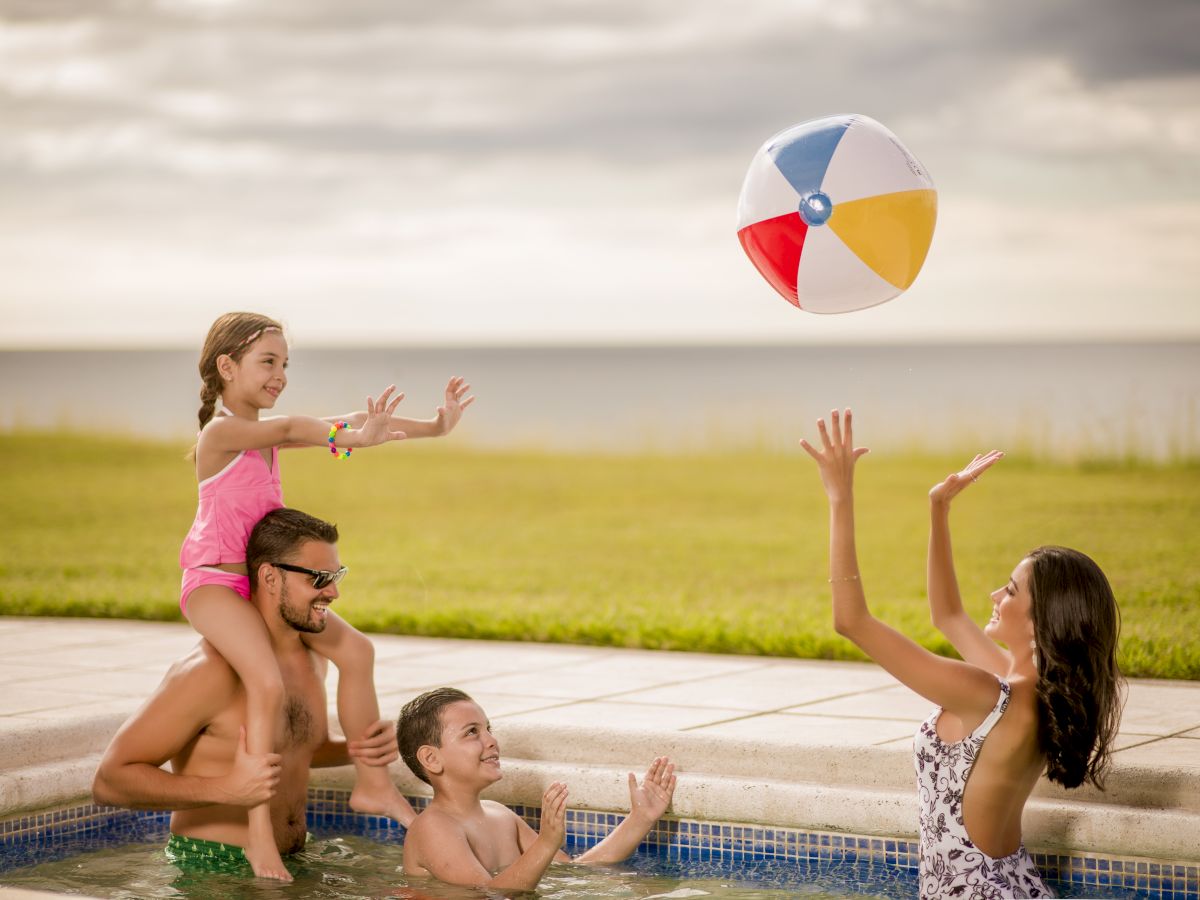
{"points": [[380, 171]]}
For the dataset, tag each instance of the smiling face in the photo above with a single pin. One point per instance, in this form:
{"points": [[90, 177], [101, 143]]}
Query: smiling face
{"points": [[469, 754], [302, 606], [259, 376], [1011, 623]]}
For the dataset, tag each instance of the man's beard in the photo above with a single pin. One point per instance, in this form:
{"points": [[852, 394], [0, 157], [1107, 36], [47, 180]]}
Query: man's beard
{"points": [[297, 620]]}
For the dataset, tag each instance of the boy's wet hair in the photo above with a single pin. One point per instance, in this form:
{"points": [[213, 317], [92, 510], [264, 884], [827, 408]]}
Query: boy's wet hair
{"points": [[420, 724]]}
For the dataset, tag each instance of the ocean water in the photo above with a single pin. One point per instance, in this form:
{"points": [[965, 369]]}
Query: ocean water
{"points": [[1054, 400]]}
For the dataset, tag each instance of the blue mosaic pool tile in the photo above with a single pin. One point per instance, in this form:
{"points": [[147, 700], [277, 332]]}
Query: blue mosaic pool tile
{"points": [[36, 837]]}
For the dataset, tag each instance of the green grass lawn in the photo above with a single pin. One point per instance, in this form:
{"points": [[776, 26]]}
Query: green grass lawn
{"points": [[716, 552]]}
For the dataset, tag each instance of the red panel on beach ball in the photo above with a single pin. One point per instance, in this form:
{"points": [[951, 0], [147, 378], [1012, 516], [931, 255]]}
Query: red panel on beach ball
{"points": [[775, 246]]}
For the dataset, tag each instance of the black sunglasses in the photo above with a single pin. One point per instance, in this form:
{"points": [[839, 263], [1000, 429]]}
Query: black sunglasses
{"points": [[320, 578]]}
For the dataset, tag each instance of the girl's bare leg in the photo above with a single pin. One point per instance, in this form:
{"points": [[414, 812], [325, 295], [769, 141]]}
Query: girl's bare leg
{"points": [[239, 633], [358, 708]]}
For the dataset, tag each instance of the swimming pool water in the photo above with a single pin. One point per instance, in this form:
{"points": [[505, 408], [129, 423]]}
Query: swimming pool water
{"points": [[353, 857]]}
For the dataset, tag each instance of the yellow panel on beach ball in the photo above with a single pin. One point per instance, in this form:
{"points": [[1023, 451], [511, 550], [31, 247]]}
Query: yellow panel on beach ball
{"points": [[891, 233]]}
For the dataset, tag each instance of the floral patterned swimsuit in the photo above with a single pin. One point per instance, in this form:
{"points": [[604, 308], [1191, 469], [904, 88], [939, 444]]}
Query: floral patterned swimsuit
{"points": [[951, 866]]}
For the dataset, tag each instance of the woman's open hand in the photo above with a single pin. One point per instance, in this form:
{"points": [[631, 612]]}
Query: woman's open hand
{"points": [[837, 455], [945, 491]]}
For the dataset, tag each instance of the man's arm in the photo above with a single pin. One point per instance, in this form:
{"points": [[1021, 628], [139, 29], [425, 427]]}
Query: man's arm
{"points": [[193, 692]]}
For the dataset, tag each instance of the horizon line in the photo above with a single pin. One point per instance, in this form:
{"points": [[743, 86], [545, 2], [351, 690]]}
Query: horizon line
{"points": [[655, 343]]}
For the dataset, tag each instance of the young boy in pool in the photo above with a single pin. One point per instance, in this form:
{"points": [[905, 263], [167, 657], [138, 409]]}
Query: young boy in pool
{"points": [[446, 739]]}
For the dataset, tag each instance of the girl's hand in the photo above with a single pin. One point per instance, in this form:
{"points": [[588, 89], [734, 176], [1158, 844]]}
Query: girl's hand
{"points": [[837, 456], [944, 492], [449, 414], [650, 800], [375, 428]]}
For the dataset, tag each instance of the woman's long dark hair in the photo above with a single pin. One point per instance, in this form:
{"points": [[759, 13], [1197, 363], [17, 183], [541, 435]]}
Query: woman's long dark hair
{"points": [[1075, 626]]}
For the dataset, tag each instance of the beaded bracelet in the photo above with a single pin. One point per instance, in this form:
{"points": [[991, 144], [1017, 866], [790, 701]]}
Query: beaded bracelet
{"points": [[344, 454], [844, 578]]}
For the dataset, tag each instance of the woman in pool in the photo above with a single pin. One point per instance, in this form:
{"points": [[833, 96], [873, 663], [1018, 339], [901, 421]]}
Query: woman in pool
{"points": [[1049, 702]]}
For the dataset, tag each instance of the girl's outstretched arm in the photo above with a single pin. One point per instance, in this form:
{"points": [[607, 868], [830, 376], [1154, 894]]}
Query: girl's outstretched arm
{"points": [[232, 434], [441, 424], [960, 687], [945, 602]]}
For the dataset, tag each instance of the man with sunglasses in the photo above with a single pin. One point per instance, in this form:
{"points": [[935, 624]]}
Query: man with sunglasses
{"points": [[196, 717]]}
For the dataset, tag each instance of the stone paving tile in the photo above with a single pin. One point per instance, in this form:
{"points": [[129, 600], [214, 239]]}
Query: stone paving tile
{"points": [[494, 704], [1162, 708], [113, 682], [509, 657], [395, 677], [563, 683], [633, 716], [18, 672], [52, 667], [659, 667], [1167, 753], [497, 705], [33, 644], [22, 699], [13, 724], [800, 730], [896, 702], [107, 656], [772, 687], [92, 706]]}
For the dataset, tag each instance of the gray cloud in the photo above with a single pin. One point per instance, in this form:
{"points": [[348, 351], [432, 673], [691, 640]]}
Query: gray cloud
{"points": [[342, 127]]}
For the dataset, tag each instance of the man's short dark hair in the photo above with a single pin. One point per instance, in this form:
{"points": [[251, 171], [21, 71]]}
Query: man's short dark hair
{"points": [[420, 724], [278, 536]]}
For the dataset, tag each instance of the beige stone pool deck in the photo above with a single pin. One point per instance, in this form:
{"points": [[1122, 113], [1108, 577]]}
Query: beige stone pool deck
{"points": [[796, 743]]}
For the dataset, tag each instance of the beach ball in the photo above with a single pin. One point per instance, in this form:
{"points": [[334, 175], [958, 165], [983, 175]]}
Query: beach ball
{"points": [[836, 214]]}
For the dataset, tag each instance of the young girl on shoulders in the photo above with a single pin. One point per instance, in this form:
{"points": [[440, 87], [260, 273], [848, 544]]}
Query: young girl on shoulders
{"points": [[1037, 688], [243, 364]]}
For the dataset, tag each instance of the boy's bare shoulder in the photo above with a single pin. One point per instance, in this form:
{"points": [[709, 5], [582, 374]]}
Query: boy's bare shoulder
{"points": [[432, 820], [498, 808]]}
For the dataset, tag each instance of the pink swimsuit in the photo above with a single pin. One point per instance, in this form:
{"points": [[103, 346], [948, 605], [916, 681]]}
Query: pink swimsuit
{"points": [[231, 503]]}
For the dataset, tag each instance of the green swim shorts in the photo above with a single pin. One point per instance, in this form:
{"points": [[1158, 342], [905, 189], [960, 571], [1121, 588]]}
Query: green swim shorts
{"points": [[199, 855]]}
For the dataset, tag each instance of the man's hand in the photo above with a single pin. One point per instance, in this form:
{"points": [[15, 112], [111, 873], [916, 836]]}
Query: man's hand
{"points": [[378, 746], [648, 801], [253, 778]]}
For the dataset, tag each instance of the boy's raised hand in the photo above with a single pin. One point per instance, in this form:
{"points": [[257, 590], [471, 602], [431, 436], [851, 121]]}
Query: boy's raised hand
{"points": [[449, 413], [649, 800], [376, 428], [554, 815]]}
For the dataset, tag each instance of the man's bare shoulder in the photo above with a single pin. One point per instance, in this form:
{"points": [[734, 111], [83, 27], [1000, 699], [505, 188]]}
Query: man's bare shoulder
{"points": [[201, 669]]}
